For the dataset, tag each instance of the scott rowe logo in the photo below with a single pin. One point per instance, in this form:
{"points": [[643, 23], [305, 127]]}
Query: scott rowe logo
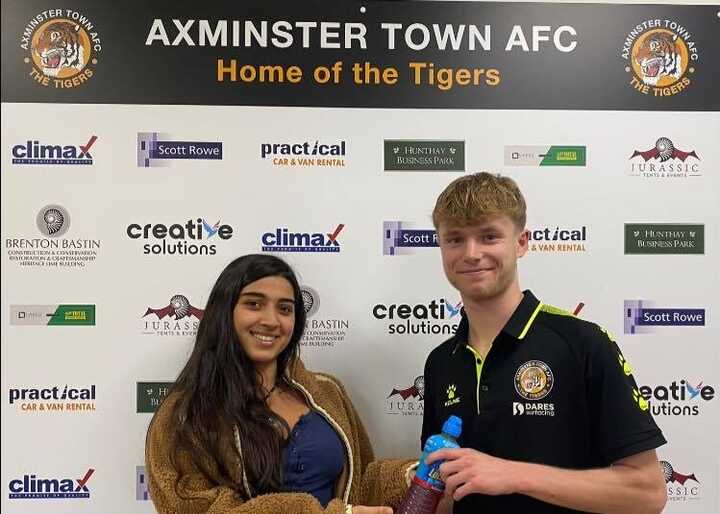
{"points": [[557, 239], [141, 487], [33, 152], [53, 399], [179, 318], [61, 47], [664, 160], [408, 400], [434, 317], [52, 250], [404, 237], [193, 237], [43, 315], [641, 316], [154, 149], [421, 155], [528, 155], [658, 54], [282, 240], [679, 398], [320, 331], [305, 154], [664, 238], [30, 487]]}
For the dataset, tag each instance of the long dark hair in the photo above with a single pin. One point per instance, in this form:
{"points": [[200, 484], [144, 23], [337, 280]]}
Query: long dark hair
{"points": [[219, 387]]}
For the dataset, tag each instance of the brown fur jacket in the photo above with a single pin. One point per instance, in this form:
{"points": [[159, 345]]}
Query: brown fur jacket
{"points": [[363, 481]]}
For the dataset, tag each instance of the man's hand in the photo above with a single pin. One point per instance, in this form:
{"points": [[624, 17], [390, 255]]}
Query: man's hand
{"points": [[466, 471]]}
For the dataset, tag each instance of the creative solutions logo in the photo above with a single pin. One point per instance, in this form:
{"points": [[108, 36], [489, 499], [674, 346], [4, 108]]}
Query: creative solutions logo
{"points": [[557, 239], [527, 155], [658, 54], [32, 152], [409, 155], [305, 154], [680, 487], [641, 317], [404, 237], [61, 48], [664, 160], [679, 398], [52, 250], [664, 239], [53, 399], [154, 148], [55, 315], [320, 332], [193, 237], [150, 395], [30, 487], [179, 318], [282, 240], [437, 317], [408, 400]]}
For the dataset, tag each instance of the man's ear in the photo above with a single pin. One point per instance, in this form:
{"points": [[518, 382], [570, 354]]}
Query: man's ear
{"points": [[523, 241]]}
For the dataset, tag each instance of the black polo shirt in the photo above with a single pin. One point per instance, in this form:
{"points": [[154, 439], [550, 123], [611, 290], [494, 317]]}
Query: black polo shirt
{"points": [[553, 389]]}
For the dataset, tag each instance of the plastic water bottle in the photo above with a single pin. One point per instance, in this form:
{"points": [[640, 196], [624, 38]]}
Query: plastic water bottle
{"points": [[426, 487]]}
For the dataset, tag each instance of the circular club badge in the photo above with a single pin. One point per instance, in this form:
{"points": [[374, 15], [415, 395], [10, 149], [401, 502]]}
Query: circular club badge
{"points": [[534, 380]]}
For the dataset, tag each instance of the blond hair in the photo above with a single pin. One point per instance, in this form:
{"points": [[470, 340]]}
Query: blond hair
{"points": [[473, 198]]}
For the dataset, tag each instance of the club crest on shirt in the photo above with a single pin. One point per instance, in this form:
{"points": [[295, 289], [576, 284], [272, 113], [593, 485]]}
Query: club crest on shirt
{"points": [[534, 380]]}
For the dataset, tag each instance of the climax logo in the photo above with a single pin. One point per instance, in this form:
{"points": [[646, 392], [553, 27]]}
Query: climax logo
{"points": [[282, 240], [61, 46], [30, 487], [32, 152]]}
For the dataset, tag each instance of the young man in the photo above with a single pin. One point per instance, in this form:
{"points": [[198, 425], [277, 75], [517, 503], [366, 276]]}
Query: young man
{"points": [[553, 421]]}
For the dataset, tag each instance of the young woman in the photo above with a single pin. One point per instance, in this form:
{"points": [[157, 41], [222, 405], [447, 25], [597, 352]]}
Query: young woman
{"points": [[246, 428]]}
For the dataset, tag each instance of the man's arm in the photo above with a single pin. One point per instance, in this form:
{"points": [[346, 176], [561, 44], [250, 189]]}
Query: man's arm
{"points": [[632, 485]]}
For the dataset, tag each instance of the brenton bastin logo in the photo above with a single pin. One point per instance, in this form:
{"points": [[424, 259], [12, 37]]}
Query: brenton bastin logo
{"points": [[155, 149], [408, 155], [534, 380], [320, 331], [660, 56], [282, 240], [664, 239], [193, 237], [52, 250], [558, 239], [404, 237], [664, 160], [32, 487], [527, 155], [305, 154], [679, 398], [641, 316], [141, 487], [436, 317], [407, 401], [53, 399], [62, 48], [179, 318], [150, 395], [680, 486], [56, 315], [34, 152]]}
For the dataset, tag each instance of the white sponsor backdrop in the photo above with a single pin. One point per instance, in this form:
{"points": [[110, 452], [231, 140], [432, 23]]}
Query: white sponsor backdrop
{"points": [[254, 196]]}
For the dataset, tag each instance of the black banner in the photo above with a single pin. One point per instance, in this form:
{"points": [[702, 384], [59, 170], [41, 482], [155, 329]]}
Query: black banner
{"points": [[363, 54]]}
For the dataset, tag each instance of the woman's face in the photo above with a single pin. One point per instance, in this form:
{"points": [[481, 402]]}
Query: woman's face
{"points": [[264, 318]]}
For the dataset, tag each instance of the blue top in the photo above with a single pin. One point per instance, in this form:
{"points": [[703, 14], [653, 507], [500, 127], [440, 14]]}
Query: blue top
{"points": [[313, 458]]}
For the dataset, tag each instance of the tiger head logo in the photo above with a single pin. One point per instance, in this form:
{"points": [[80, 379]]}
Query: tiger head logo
{"points": [[659, 58], [61, 49]]}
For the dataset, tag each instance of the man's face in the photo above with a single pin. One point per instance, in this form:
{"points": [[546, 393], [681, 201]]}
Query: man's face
{"points": [[480, 260]]}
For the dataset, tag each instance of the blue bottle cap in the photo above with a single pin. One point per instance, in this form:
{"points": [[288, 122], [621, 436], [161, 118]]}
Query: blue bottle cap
{"points": [[453, 426]]}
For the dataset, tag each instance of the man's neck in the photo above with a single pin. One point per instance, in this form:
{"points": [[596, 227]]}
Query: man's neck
{"points": [[486, 318]]}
